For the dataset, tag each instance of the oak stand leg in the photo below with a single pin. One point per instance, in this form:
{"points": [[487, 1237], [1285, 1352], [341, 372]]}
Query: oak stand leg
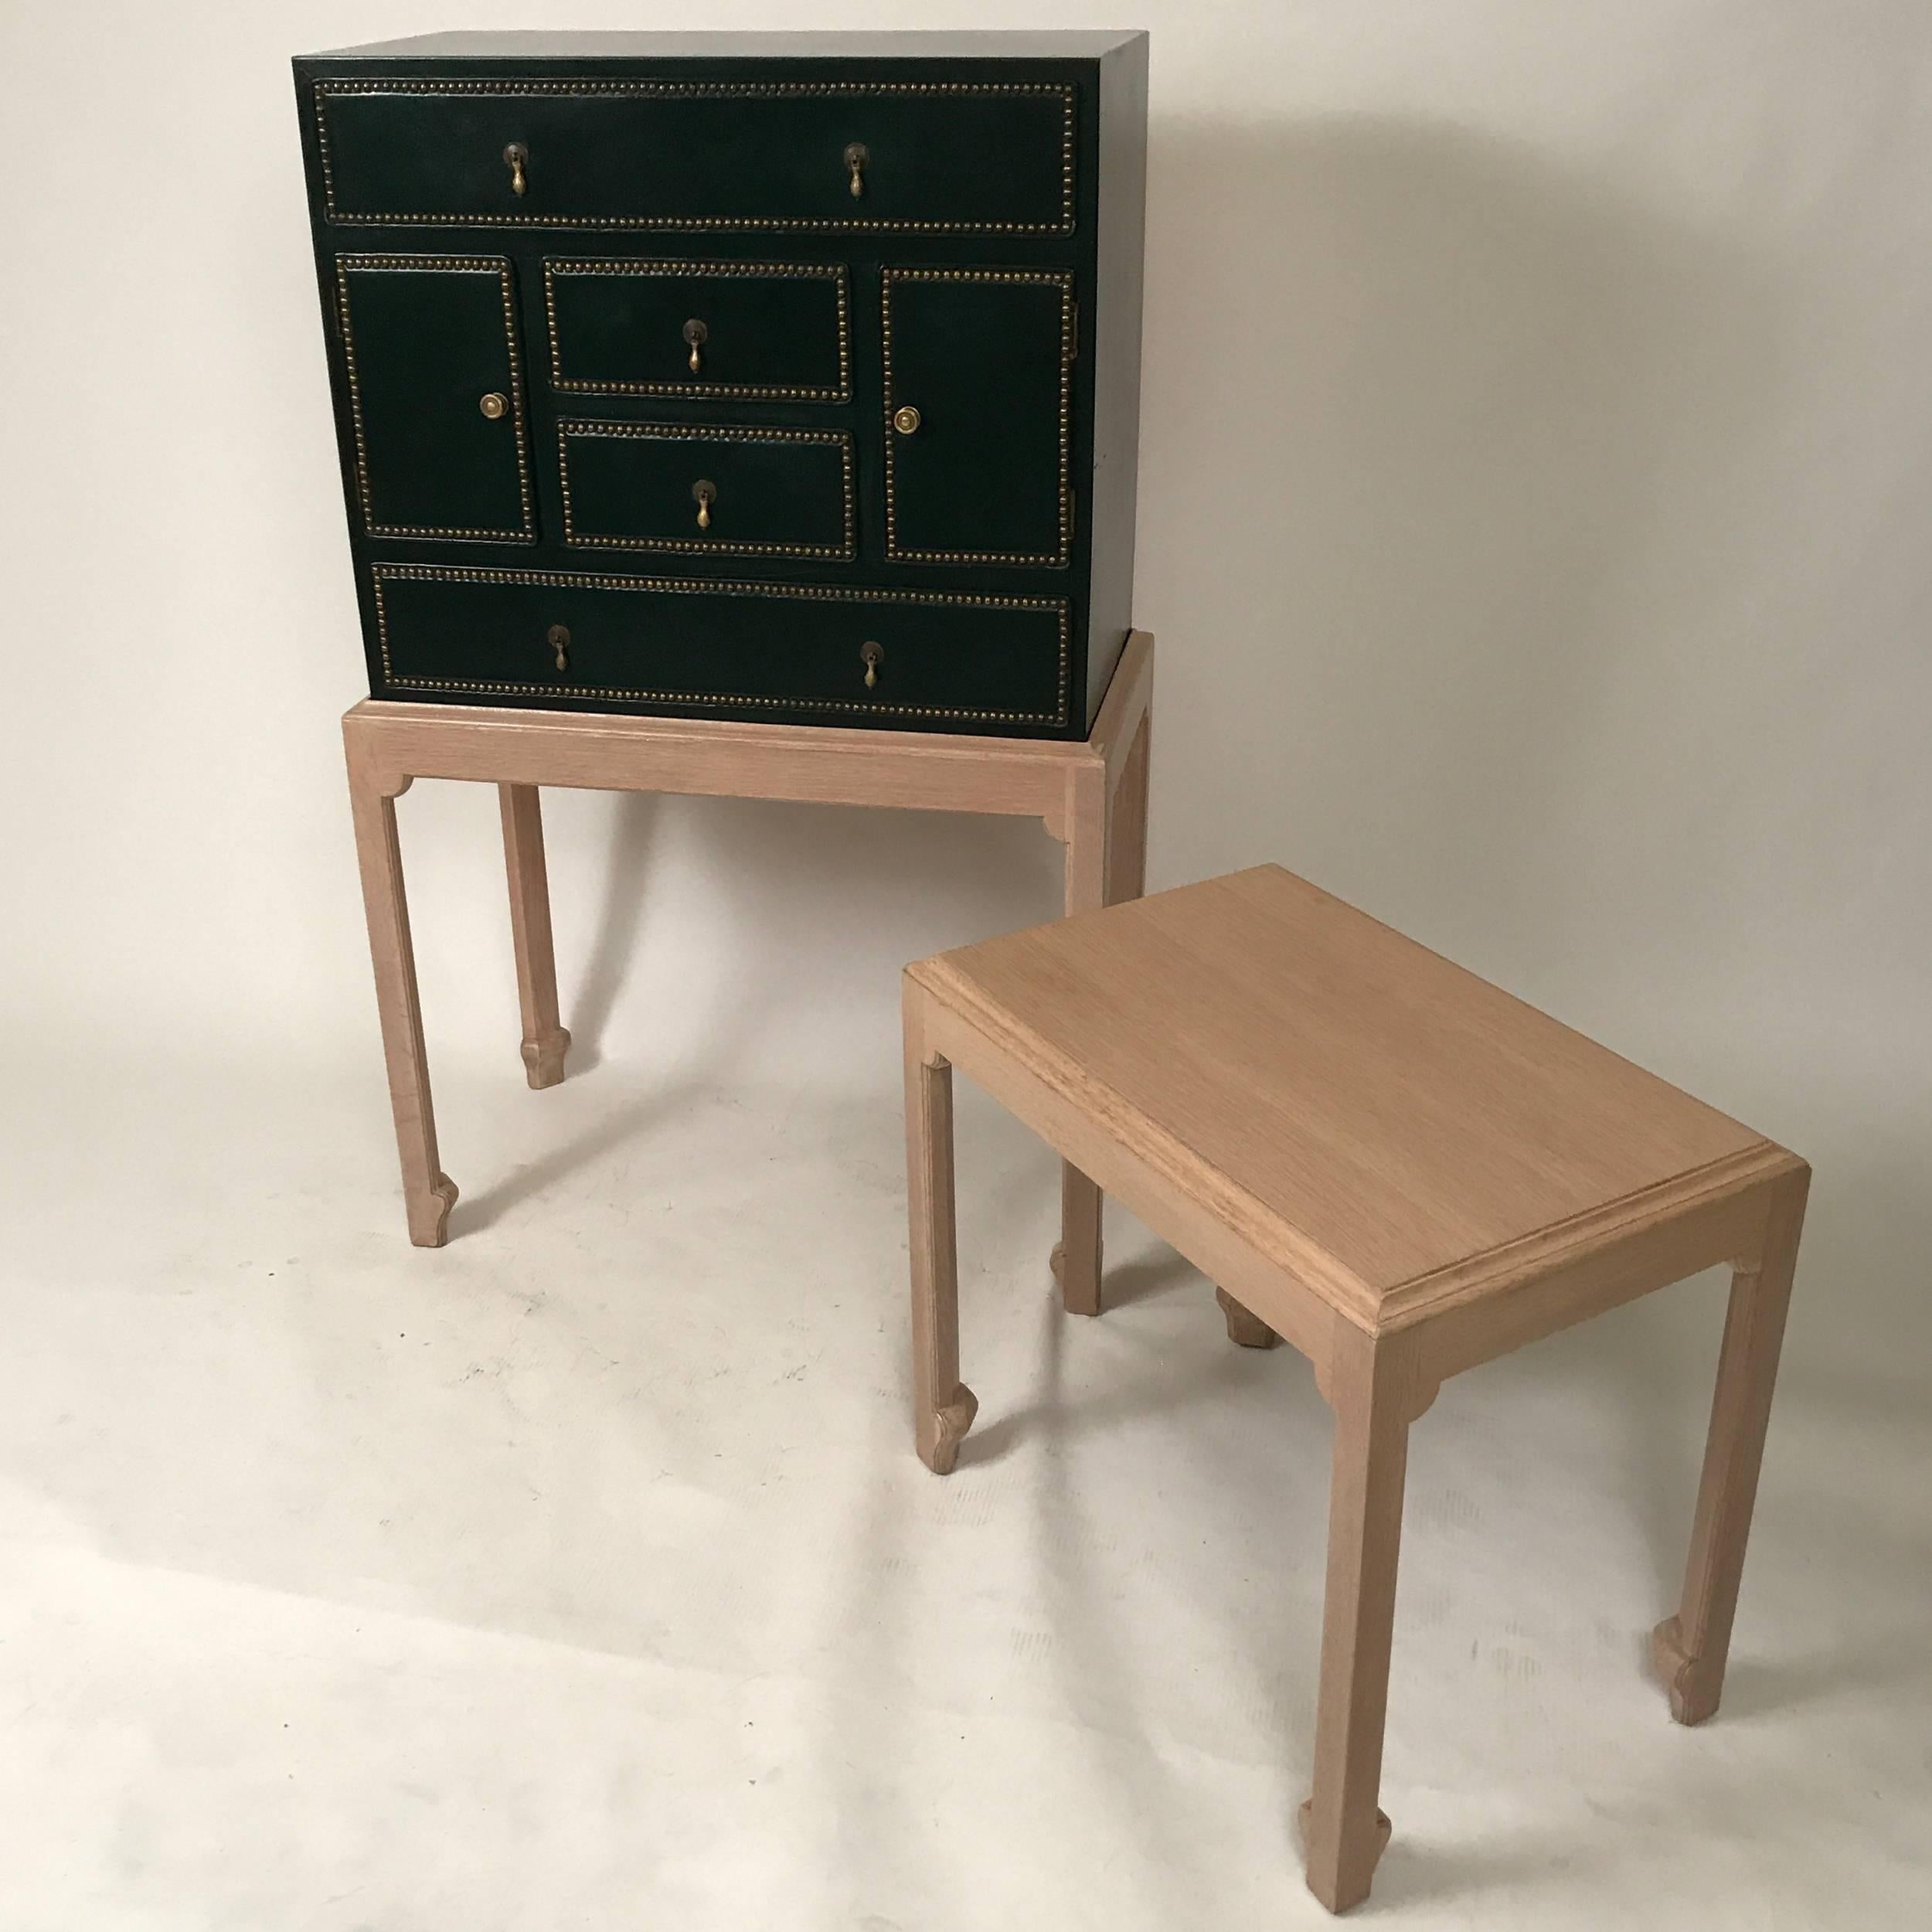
{"points": [[1126, 842], [1105, 864], [545, 1042], [1691, 1648], [1343, 1830], [428, 1192], [1244, 1327], [943, 1406]]}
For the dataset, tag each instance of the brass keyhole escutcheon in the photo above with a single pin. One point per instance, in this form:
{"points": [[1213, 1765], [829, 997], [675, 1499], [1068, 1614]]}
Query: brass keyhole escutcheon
{"points": [[872, 656], [518, 156], [697, 335], [856, 158], [558, 636], [905, 418], [493, 405], [704, 493]]}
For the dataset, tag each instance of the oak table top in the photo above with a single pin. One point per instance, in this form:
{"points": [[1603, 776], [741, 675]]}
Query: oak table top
{"points": [[1385, 1125]]}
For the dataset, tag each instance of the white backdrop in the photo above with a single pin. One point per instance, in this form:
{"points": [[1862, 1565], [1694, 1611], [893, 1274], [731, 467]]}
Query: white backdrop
{"points": [[1534, 488], [1535, 482]]}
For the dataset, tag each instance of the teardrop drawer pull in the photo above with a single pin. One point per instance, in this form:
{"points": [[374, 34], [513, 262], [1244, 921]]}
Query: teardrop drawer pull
{"points": [[697, 334], [517, 156], [558, 637], [704, 493], [856, 158], [872, 656]]}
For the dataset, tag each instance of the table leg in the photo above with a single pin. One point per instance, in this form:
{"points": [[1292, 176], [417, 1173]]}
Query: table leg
{"points": [[1244, 1327], [1343, 1829], [1106, 851], [544, 1041], [943, 1406], [1691, 1648], [1127, 840], [428, 1192]]}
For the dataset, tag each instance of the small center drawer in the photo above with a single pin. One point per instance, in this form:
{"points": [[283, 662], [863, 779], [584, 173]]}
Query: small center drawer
{"points": [[750, 331], [699, 489], [963, 156], [768, 649]]}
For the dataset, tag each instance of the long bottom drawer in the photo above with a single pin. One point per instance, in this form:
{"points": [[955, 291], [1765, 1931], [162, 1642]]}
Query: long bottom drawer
{"points": [[511, 636]]}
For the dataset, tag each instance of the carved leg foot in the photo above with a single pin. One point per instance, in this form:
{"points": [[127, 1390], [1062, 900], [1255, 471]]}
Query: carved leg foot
{"points": [[1382, 1830], [1693, 1692], [429, 1213], [941, 1432], [1249, 1330], [543, 1057]]}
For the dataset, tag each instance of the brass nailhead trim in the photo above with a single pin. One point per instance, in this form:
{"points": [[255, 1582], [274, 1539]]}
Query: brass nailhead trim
{"points": [[689, 586], [732, 90], [497, 265], [1051, 278], [702, 433], [743, 392]]}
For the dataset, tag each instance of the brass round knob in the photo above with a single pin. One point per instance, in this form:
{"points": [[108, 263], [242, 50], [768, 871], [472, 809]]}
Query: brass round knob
{"points": [[905, 418], [493, 405]]}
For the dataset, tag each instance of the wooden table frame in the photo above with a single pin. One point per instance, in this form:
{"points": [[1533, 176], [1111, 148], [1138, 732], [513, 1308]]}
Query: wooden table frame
{"points": [[1379, 1372], [1092, 796]]}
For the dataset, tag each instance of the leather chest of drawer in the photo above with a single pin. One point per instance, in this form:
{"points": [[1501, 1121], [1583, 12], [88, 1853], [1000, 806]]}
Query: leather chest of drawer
{"points": [[786, 377]]}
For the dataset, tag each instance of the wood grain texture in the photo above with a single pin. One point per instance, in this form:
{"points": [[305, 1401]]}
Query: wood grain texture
{"points": [[1389, 1128], [544, 1040]]}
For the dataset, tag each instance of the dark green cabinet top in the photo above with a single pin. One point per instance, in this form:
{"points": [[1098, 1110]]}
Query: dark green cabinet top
{"points": [[838, 335]]}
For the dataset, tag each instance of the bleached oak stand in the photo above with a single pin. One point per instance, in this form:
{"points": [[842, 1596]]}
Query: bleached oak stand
{"points": [[1092, 796], [1395, 1166]]}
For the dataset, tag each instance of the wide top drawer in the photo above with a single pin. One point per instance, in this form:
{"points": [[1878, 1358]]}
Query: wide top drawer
{"points": [[964, 157]]}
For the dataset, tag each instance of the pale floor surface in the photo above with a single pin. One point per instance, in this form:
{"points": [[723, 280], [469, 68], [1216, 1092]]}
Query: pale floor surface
{"points": [[581, 1574]]}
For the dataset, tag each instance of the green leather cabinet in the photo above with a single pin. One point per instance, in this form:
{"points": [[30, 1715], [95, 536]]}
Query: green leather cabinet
{"points": [[789, 377]]}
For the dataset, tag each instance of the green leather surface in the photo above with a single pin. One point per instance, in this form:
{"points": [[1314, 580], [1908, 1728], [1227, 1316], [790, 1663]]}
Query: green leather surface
{"points": [[719, 169], [427, 344], [619, 322], [947, 157], [981, 362], [771, 489], [449, 630]]}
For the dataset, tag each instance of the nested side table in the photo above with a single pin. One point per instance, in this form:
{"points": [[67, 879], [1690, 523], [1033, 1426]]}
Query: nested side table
{"points": [[1092, 796], [1393, 1165]]}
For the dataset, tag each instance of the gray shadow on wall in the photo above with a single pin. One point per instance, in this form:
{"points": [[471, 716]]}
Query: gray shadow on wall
{"points": [[1410, 395]]}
